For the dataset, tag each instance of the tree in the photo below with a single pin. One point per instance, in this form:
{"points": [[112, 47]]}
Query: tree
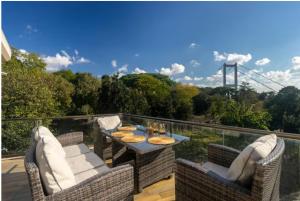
{"points": [[243, 115], [29, 91], [285, 108], [182, 96], [201, 103], [66, 74], [156, 92], [139, 103], [247, 94], [217, 108], [114, 96], [85, 98], [223, 91]]}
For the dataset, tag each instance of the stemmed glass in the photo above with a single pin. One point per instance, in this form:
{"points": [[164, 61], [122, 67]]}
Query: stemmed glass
{"points": [[162, 129]]}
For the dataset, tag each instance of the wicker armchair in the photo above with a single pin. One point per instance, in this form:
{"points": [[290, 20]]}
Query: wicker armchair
{"points": [[116, 184], [103, 144], [195, 183]]}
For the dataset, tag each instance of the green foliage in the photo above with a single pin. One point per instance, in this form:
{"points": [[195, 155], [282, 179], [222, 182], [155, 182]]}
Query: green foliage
{"points": [[217, 108], [85, 98], [156, 92], [29, 91], [243, 115], [285, 109], [114, 96], [66, 74], [201, 103], [139, 103], [182, 96], [130, 79], [246, 94], [32, 92]]}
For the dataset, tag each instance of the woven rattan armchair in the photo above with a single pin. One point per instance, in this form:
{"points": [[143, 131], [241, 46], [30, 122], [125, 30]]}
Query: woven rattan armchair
{"points": [[195, 183], [103, 144], [117, 184]]}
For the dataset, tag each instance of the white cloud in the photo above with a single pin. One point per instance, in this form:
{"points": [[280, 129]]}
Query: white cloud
{"points": [[232, 58], [262, 62], [23, 51], [218, 56], [83, 60], [63, 60], [198, 78], [66, 54], [114, 63], [138, 71], [136, 54], [194, 63], [76, 52], [30, 29], [57, 62], [173, 70], [193, 45], [280, 76], [123, 69], [27, 32], [296, 62], [187, 78]]}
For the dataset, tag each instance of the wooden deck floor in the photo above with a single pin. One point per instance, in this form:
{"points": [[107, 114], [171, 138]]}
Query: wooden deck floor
{"points": [[15, 185]]}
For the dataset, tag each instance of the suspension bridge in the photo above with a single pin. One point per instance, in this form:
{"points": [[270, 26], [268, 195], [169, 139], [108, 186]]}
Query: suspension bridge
{"points": [[248, 73]]}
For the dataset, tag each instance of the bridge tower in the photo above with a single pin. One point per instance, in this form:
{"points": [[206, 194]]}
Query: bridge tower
{"points": [[234, 66]]}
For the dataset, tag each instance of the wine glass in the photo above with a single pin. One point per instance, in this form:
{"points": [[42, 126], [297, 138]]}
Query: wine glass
{"points": [[155, 127], [162, 129]]}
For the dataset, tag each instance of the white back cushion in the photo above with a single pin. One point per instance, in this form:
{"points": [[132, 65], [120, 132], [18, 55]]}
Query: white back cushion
{"points": [[109, 122], [243, 167], [42, 131], [54, 169]]}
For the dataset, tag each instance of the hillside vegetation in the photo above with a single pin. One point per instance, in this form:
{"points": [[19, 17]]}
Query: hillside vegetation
{"points": [[28, 90]]}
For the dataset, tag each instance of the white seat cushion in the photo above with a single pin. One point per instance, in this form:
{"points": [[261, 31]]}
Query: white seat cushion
{"points": [[243, 167], [218, 169], [55, 172], [41, 131], [76, 150], [90, 173], [84, 162], [109, 122]]}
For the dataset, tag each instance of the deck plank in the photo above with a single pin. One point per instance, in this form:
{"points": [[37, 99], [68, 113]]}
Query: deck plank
{"points": [[15, 185]]}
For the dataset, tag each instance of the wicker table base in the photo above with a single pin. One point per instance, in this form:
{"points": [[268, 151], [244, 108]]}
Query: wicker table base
{"points": [[149, 167]]}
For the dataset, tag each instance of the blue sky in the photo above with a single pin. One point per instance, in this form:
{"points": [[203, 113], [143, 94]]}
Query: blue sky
{"points": [[188, 41]]}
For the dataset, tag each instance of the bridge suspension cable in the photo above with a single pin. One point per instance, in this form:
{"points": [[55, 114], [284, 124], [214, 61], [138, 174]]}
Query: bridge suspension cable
{"points": [[257, 81], [263, 76]]}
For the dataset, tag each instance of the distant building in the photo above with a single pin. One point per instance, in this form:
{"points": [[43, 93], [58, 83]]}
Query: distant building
{"points": [[5, 48]]}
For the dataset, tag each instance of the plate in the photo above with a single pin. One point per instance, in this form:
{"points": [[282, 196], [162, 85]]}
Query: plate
{"points": [[161, 140], [127, 128], [133, 138], [122, 134]]}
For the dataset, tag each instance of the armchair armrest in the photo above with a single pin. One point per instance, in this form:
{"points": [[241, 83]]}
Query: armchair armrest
{"points": [[222, 155], [192, 182], [70, 138], [117, 184]]}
